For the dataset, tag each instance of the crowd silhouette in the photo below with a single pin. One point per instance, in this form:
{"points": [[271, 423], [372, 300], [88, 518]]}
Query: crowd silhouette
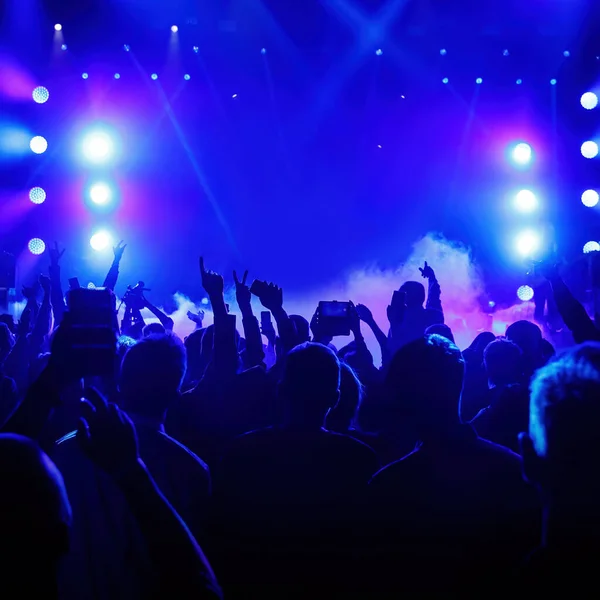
{"points": [[135, 464]]}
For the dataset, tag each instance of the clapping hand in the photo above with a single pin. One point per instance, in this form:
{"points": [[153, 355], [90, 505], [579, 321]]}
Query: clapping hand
{"points": [[242, 292], [118, 250], [211, 282], [427, 271], [106, 434], [364, 314]]}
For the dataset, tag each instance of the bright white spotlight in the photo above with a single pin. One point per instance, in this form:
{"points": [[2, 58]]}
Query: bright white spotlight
{"points": [[38, 144], [40, 94], [100, 240], [174, 28], [100, 193], [97, 147], [36, 246], [154, 76], [525, 293], [589, 149], [590, 198], [591, 247], [84, 75], [526, 201], [186, 77], [589, 100], [527, 243], [91, 286], [479, 81], [58, 27], [37, 195], [522, 153], [63, 47]]}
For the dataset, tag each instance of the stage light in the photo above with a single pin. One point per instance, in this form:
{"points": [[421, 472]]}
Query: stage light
{"points": [[525, 293], [174, 28], [553, 82], [97, 147], [589, 149], [100, 193], [479, 81], [91, 286], [263, 51], [526, 201], [38, 144], [519, 81], [445, 80], [100, 240], [589, 100], [36, 246], [234, 96], [204, 301], [443, 52], [154, 76], [196, 49], [521, 153], [117, 76], [84, 75], [590, 198], [63, 47], [505, 52], [58, 27], [566, 54], [37, 195], [591, 247], [379, 52], [527, 243], [186, 77], [126, 47], [40, 94]]}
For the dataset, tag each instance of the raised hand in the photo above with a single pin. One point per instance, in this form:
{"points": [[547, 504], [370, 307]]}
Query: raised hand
{"points": [[211, 282], [196, 318], [24, 324], [354, 319], [271, 297], [242, 291], [364, 314], [118, 250], [45, 284], [427, 271], [55, 255], [106, 434]]}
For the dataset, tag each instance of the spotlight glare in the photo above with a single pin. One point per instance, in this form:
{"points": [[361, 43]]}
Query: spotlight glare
{"points": [[37, 195], [234, 96], [566, 54], [505, 52], [445, 80], [40, 94], [38, 144], [263, 51], [443, 52], [589, 149], [100, 241], [63, 47], [154, 76], [553, 82], [186, 77], [126, 47], [204, 301], [591, 247], [519, 81], [174, 28], [379, 52], [521, 153], [526, 201], [527, 243], [91, 286], [84, 75], [479, 81], [36, 246], [100, 193], [117, 76], [58, 27], [196, 49], [589, 100], [525, 293], [590, 198], [97, 147]]}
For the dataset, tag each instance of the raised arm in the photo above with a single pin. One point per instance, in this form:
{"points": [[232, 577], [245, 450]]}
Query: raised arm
{"points": [[271, 297], [113, 273], [434, 292], [253, 354], [43, 321], [366, 316], [165, 321], [57, 297], [109, 439]]}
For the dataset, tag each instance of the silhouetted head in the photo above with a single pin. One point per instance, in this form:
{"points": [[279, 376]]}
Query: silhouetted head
{"points": [[503, 361], [562, 451], [123, 344], [153, 329], [415, 293], [151, 375], [440, 329], [340, 418], [35, 516], [424, 384], [481, 341], [302, 328], [528, 336], [310, 384]]}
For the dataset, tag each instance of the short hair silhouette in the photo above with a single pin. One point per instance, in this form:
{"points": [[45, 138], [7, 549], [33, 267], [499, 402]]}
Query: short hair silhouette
{"points": [[440, 329], [415, 293], [503, 361], [302, 328], [152, 329]]}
